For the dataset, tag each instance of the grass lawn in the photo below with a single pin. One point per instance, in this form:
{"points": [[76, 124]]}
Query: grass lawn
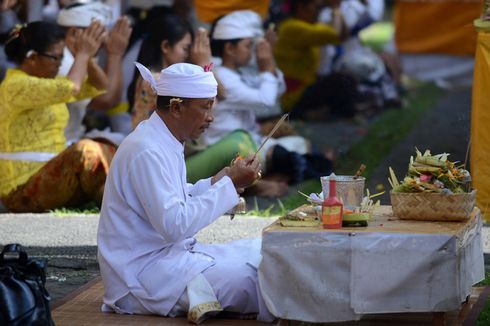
{"points": [[90, 208], [484, 318]]}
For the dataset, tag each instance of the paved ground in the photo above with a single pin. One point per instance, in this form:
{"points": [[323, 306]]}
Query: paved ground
{"points": [[69, 242]]}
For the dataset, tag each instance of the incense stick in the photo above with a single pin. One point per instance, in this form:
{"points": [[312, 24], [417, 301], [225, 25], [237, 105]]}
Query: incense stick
{"points": [[303, 194], [470, 183], [360, 171], [278, 124], [467, 153]]}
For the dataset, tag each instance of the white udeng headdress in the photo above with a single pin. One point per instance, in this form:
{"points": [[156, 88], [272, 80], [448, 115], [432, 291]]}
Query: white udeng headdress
{"points": [[82, 15], [238, 24], [182, 80]]}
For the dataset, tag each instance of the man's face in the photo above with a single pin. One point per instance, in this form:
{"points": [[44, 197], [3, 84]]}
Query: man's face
{"points": [[197, 115]]}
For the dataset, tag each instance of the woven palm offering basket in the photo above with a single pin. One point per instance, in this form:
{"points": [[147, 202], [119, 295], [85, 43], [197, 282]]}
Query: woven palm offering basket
{"points": [[432, 206], [434, 189]]}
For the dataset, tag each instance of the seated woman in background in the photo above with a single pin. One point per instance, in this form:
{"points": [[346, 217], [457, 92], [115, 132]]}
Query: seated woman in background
{"points": [[297, 53], [169, 42], [290, 156], [37, 171], [378, 74]]}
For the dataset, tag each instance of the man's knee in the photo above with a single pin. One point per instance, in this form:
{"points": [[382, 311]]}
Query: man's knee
{"points": [[240, 282]]}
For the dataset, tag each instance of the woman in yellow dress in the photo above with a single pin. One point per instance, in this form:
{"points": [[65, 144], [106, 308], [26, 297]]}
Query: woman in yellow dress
{"points": [[37, 171]]}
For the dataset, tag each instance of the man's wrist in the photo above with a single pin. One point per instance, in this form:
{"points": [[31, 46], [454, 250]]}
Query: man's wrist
{"points": [[220, 175]]}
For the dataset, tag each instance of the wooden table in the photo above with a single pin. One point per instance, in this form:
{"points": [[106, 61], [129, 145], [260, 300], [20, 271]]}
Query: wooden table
{"points": [[391, 266]]}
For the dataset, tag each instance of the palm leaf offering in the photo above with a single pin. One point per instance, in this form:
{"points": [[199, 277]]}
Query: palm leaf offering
{"points": [[303, 216], [432, 173]]}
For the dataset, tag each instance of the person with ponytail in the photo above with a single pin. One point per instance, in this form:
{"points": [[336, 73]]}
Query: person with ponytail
{"points": [[37, 171], [169, 42]]}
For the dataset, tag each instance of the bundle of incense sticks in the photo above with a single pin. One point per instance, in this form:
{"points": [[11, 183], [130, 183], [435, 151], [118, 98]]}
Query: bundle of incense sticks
{"points": [[278, 124]]}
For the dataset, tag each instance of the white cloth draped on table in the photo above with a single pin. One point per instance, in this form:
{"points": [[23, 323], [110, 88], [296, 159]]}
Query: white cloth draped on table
{"points": [[319, 276]]}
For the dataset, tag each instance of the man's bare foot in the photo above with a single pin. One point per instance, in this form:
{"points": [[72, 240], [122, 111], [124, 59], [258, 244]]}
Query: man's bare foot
{"points": [[266, 188]]}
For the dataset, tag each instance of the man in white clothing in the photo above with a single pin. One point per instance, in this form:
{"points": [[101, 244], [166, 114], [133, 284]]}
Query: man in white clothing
{"points": [[149, 261]]}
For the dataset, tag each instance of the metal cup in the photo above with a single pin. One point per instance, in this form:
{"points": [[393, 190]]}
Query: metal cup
{"points": [[349, 190]]}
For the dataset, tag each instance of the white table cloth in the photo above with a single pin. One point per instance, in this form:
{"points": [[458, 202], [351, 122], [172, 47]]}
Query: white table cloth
{"points": [[317, 275]]}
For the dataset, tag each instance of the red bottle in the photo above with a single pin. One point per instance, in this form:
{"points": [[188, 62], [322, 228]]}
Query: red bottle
{"points": [[332, 207]]}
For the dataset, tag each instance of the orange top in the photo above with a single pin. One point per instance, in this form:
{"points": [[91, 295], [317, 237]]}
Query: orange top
{"points": [[436, 26], [209, 10]]}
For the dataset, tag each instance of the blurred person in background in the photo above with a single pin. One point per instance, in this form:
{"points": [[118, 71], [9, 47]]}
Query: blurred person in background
{"points": [[78, 16], [377, 75], [37, 171], [297, 53], [145, 16], [168, 42], [8, 19]]}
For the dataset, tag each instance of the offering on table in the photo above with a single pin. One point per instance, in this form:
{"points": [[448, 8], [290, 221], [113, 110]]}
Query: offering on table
{"points": [[306, 215], [434, 189], [432, 173], [350, 219]]}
